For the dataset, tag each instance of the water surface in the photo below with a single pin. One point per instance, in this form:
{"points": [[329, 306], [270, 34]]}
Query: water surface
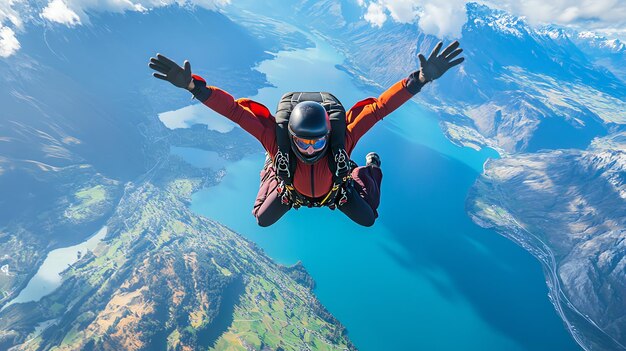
{"points": [[199, 158], [424, 277], [48, 276]]}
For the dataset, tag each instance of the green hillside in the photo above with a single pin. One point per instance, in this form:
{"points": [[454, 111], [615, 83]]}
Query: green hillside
{"points": [[165, 278]]}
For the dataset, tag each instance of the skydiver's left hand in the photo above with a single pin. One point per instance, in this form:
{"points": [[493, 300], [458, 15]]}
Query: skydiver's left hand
{"points": [[437, 64]]}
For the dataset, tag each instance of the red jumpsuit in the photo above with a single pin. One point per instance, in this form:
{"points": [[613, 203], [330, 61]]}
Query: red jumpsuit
{"points": [[314, 180]]}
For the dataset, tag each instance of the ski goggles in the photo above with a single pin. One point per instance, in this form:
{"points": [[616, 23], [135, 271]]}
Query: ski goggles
{"points": [[309, 146]]}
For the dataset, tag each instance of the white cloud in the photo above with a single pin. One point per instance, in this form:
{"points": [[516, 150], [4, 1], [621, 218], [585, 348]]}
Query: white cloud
{"points": [[10, 16], [445, 18], [75, 12], [403, 11], [9, 12], [604, 16], [207, 4], [57, 11], [439, 18], [568, 12], [436, 17], [375, 14], [13, 13], [8, 42]]}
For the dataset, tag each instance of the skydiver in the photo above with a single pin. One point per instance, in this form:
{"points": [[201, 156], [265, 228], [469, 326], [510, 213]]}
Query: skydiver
{"points": [[310, 139]]}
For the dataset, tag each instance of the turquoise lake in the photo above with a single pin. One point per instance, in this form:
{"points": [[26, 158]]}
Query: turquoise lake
{"points": [[48, 277], [424, 277]]}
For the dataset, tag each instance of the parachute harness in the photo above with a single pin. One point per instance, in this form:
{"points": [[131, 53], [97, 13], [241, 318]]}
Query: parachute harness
{"points": [[338, 194], [282, 165]]}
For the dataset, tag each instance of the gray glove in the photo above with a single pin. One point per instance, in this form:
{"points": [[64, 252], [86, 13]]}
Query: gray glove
{"points": [[171, 71], [437, 64]]}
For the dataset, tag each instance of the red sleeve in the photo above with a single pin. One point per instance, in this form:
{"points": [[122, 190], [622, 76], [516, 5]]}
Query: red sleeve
{"points": [[364, 114], [250, 115]]}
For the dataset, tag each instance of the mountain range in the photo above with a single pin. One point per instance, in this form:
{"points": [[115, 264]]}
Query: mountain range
{"points": [[81, 147], [524, 90], [519, 83], [567, 208]]}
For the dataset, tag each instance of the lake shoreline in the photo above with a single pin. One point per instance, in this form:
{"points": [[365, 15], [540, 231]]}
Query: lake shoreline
{"points": [[387, 245]]}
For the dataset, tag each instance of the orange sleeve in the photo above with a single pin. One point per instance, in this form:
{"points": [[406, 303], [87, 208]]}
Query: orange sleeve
{"points": [[252, 116], [364, 114]]}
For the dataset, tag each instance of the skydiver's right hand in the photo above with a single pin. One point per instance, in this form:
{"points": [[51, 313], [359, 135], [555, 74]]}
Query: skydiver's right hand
{"points": [[172, 72], [437, 64], [434, 67]]}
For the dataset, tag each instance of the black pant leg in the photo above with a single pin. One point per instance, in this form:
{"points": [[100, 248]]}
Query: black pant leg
{"points": [[357, 209], [268, 207], [271, 210]]}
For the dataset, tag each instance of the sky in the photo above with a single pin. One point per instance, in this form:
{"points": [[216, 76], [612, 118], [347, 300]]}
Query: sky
{"points": [[443, 19]]}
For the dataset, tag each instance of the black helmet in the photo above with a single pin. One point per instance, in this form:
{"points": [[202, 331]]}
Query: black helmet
{"points": [[309, 128]]}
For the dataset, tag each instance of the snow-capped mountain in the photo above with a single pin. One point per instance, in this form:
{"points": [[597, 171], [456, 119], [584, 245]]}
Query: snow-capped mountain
{"points": [[567, 208], [509, 64], [609, 53]]}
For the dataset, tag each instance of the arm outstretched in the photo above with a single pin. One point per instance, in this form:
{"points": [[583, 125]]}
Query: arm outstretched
{"points": [[362, 116], [252, 116], [249, 115]]}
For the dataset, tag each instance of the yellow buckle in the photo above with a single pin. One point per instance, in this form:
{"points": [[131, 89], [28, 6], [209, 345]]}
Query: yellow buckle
{"points": [[335, 187]]}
